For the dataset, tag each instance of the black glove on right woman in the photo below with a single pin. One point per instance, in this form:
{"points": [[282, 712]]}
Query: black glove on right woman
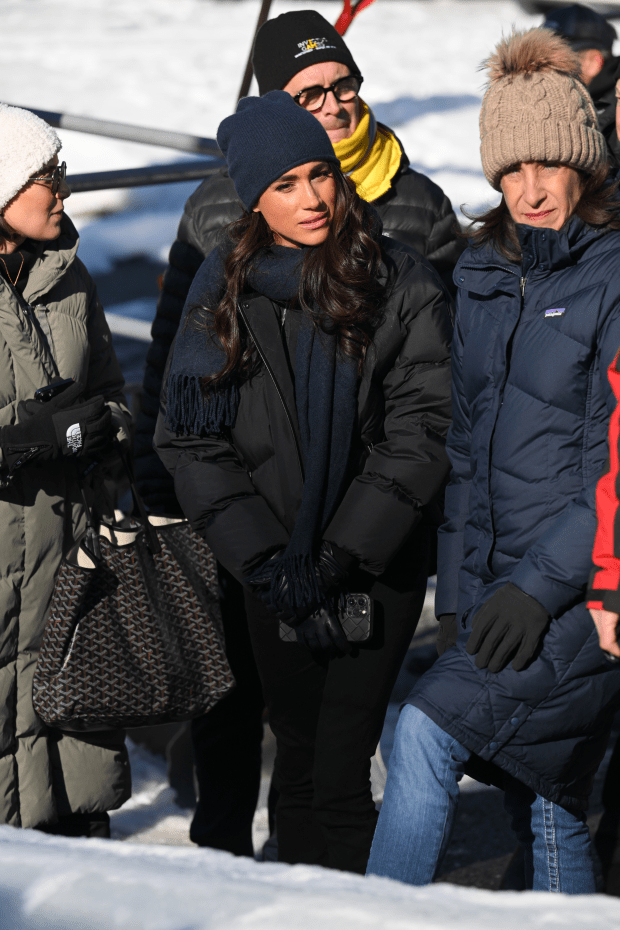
{"points": [[509, 622], [60, 426]]}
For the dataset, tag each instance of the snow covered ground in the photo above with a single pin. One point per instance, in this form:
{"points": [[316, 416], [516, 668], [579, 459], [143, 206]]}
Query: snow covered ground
{"points": [[49, 883], [177, 64]]}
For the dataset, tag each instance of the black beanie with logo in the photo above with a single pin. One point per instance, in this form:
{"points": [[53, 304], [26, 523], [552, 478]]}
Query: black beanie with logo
{"points": [[294, 41]]}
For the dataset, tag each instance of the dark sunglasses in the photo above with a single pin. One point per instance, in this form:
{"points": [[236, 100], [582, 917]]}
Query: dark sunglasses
{"points": [[56, 175], [313, 98]]}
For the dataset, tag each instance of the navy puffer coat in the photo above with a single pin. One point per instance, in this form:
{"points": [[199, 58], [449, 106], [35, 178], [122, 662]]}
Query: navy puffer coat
{"points": [[527, 445]]}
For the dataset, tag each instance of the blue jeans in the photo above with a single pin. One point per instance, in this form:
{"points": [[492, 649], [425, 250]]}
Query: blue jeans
{"points": [[420, 803]]}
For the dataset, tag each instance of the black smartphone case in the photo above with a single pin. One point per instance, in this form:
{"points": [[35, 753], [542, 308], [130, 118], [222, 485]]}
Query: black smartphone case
{"points": [[355, 618]]}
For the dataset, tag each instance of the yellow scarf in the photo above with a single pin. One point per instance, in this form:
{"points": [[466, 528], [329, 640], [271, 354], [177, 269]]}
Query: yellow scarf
{"points": [[370, 163]]}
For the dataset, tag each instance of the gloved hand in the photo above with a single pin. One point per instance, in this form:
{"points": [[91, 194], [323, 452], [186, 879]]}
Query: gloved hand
{"points": [[509, 622], [447, 634], [64, 425], [332, 568], [322, 633]]}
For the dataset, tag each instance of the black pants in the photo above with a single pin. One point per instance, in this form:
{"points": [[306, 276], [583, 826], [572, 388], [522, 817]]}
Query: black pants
{"points": [[227, 741], [327, 716]]}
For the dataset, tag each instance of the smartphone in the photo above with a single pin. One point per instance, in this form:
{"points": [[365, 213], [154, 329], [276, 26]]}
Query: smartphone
{"points": [[355, 617], [46, 393]]}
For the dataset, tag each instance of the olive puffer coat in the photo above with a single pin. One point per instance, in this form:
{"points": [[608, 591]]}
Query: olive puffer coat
{"points": [[531, 406], [242, 490], [58, 329]]}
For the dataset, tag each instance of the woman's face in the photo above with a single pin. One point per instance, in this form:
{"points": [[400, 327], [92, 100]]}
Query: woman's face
{"points": [[299, 206], [34, 212], [539, 193]]}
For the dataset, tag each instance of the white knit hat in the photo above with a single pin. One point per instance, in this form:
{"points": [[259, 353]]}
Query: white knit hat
{"points": [[27, 144]]}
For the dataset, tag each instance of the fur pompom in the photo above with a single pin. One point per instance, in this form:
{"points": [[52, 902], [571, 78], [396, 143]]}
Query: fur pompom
{"points": [[529, 52]]}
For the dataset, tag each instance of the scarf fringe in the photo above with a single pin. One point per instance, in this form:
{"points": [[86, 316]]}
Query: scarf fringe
{"points": [[299, 574], [190, 411]]}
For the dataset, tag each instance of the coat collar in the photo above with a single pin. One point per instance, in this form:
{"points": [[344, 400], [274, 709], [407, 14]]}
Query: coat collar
{"points": [[52, 260], [484, 270]]}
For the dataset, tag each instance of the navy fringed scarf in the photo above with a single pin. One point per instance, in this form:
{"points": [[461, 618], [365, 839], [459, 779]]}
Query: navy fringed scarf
{"points": [[325, 391]]}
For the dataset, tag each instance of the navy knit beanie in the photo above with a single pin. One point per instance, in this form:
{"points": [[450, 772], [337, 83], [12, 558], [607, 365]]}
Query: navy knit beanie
{"points": [[266, 137], [294, 41]]}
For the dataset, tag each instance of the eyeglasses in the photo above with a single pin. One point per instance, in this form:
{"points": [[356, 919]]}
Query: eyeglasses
{"points": [[56, 175], [313, 98]]}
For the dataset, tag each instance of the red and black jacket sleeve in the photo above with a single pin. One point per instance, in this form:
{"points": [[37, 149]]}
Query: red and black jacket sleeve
{"points": [[604, 589]]}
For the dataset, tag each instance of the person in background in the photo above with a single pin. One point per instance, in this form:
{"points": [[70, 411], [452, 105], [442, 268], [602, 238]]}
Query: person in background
{"points": [[604, 606], [525, 690], [303, 419], [592, 37], [52, 329], [303, 54]]}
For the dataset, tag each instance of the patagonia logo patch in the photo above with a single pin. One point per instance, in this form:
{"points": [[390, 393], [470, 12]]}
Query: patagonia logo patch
{"points": [[312, 45], [557, 311]]}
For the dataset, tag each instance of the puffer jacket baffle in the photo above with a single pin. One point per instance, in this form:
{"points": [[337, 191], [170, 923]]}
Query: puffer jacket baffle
{"points": [[528, 443], [57, 330]]}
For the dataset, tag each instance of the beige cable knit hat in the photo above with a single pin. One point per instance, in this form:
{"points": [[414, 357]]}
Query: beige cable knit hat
{"points": [[536, 108]]}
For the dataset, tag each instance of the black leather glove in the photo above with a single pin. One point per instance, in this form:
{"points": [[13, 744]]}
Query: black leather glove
{"points": [[510, 623], [332, 568], [447, 634], [64, 425], [322, 633]]}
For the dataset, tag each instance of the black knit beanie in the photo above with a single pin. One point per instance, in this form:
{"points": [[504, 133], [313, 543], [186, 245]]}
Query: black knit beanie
{"points": [[294, 41], [266, 137]]}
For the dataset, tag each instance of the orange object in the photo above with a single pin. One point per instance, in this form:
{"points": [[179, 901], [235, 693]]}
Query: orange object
{"points": [[606, 555]]}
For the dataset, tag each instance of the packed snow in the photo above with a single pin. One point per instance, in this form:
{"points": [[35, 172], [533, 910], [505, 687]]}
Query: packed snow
{"points": [[49, 883], [177, 65]]}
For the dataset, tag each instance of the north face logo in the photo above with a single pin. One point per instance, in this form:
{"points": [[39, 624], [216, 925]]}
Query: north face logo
{"points": [[74, 438]]}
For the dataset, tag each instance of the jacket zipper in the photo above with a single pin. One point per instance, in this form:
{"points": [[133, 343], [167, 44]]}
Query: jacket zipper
{"points": [[522, 284], [277, 387]]}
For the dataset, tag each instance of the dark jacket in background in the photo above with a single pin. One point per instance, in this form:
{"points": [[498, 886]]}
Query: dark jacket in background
{"points": [[414, 211], [531, 405], [602, 89]]}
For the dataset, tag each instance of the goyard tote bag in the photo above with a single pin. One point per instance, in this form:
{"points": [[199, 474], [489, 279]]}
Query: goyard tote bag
{"points": [[133, 633]]}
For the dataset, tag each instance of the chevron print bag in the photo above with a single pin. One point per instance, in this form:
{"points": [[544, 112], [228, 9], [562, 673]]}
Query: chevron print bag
{"points": [[133, 635]]}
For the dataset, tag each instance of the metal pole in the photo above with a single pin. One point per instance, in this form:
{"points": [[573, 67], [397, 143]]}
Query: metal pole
{"points": [[100, 127], [142, 177], [247, 77]]}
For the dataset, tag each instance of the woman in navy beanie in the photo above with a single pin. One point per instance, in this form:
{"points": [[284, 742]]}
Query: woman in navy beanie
{"points": [[304, 420]]}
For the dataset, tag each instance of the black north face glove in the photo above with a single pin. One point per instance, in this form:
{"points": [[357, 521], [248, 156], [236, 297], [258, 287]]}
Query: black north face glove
{"points": [[510, 623], [64, 425], [322, 633]]}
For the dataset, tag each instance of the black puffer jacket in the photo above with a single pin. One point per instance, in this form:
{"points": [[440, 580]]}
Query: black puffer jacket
{"points": [[242, 491], [414, 211]]}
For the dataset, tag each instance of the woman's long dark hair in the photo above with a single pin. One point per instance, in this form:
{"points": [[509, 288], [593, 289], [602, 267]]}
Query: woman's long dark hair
{"points": [[598, 206], [339, 277]]}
